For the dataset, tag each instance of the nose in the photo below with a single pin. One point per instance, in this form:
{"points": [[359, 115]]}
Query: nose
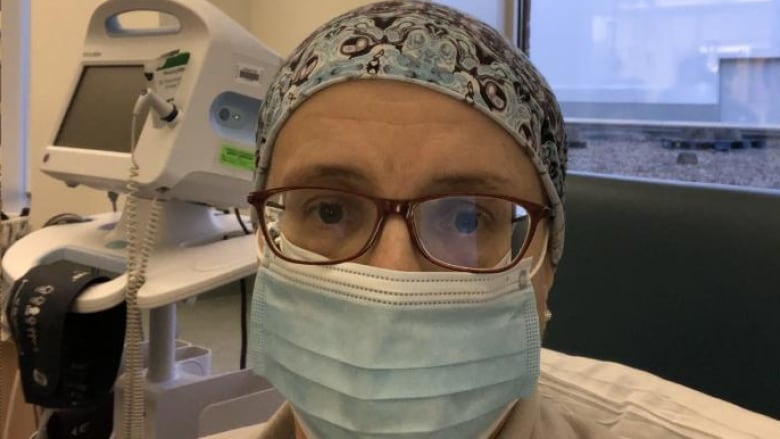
{"points": [[394, 249]]}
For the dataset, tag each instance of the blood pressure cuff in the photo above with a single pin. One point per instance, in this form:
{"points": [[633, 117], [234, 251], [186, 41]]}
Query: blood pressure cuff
{"points": [[65, 359], [94, 423]]}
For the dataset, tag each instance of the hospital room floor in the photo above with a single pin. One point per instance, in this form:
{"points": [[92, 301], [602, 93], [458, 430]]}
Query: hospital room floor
{"points": [[213, 321]]}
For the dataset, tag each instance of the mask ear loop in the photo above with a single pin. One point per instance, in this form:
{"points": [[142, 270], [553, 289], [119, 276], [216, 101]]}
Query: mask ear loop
{"points": [[542, 256], [263, 252]]}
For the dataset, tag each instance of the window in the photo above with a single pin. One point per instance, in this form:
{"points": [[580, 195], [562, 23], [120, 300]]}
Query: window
{"points": [[677, 89], [498, 13], [15, 21], [673, 89], [13, 113]]}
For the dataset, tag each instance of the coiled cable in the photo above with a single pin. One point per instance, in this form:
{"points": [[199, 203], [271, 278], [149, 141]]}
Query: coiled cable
{"points": [[138, 254], [244, 303]]}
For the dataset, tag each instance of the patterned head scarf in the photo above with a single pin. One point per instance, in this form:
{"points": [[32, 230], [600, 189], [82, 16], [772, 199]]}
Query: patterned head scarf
{"points": [[435, 47]]}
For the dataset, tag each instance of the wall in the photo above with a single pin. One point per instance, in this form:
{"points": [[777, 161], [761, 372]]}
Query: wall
{"points": [[283, 24], [238, 10]]}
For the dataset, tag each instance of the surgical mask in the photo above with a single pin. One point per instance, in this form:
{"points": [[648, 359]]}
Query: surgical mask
{"points": [[366, 352]]}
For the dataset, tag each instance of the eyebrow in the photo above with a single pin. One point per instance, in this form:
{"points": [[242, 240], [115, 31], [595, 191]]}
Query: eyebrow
{"points": [[328, 175], [347, 177], [469, 182]]}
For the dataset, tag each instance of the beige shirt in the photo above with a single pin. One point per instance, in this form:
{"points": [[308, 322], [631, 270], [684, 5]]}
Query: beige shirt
{"points": [[534, 418]]}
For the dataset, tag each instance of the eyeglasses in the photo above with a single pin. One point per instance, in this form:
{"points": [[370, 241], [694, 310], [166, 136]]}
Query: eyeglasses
{"points": [[462, 231]]}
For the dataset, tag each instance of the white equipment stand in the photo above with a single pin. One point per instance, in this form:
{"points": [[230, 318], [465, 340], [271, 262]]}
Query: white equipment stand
{"points": [[216, 74], [198, 249]]}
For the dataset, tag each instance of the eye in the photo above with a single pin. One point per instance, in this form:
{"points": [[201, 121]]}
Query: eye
{"points": [[466, 221], [461, 216], [330, 213]]}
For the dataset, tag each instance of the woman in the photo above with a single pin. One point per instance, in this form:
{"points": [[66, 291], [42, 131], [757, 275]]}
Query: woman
{"points": [[410, 173]]}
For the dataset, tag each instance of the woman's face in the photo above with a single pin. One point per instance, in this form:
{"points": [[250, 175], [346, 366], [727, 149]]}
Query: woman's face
{"points": [[396, 140]]}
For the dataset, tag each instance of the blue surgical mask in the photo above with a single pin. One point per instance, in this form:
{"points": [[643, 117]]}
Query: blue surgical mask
{"points": [[364, 352]]}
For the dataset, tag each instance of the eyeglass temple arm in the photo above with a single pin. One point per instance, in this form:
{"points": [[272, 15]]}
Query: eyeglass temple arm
{"points": [[547, 212]]}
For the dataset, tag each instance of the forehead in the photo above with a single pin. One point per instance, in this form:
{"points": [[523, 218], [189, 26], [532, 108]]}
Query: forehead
{"points": [[398, 140]]}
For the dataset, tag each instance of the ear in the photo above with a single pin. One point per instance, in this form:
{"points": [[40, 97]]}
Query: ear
{"points": [[543, 279], [543, 282]]}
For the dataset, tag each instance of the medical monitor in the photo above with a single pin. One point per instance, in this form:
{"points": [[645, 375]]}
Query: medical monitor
{"points": [[210, 68], [101, 110]]}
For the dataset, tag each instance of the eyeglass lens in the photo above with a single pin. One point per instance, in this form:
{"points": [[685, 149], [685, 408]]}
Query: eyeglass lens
{"points": [[464, 231]]}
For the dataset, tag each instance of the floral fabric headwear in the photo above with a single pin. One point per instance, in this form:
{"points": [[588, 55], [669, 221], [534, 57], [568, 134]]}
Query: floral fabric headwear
{"points": [[439, 48]]}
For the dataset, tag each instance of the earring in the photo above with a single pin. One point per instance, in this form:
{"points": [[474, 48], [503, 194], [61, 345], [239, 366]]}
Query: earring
{"points": [[547, 316]]}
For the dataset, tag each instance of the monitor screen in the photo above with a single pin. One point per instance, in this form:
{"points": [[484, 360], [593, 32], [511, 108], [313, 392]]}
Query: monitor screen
{"points": [[101, 110]]}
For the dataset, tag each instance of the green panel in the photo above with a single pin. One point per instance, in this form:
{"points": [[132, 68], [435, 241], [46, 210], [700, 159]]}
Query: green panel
{"points": [[180, 59], [240, 158]]}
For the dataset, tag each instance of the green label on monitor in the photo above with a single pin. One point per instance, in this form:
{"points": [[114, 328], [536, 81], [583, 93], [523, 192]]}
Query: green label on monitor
{"points": [[174, 59], [239, 158]]}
